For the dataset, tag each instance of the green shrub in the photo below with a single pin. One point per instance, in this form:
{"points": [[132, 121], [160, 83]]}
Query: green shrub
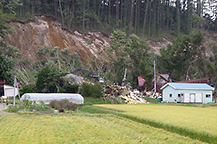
{"points": [[37, 108], [27, 89], [86, 89], [90, 90], [71, 88], [97, 91], [12, 109], [30, 105], [90, 42]]}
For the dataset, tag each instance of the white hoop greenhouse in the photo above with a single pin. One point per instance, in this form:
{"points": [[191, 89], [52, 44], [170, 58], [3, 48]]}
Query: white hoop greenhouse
{"points": [[48, 97]]}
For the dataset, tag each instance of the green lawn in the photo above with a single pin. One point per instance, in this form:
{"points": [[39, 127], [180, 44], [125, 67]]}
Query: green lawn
{"points": [[81, 128]]}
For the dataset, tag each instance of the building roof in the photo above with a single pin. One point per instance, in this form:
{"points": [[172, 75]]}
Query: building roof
{"points": [[162, 78], [2, 81], [197, 86], [203, 80]]}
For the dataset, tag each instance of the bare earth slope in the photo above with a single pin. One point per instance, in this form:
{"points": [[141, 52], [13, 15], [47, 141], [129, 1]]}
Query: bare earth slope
{"points": [[29, 36], [43, 30]]}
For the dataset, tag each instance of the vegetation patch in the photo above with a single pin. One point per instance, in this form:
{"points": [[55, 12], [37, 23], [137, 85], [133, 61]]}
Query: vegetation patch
{"points": [[63, 105], [90, 101], [30, 106], [96, 110], [81, 128], [187, 121]]}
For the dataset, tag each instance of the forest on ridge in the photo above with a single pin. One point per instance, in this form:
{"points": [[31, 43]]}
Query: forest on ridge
{"points": [[142, 17]]}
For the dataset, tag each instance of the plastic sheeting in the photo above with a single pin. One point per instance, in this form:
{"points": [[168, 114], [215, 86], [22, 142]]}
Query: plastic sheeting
{"points": [[77, 79], [48, 97]]}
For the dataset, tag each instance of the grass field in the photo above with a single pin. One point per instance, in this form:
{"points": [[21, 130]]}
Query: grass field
{"points": [[198, 121], [81, 128]]}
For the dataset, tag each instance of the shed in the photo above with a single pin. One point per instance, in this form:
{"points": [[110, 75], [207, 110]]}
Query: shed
{"points": [[48, 97], [187, 92], [7, 90]]}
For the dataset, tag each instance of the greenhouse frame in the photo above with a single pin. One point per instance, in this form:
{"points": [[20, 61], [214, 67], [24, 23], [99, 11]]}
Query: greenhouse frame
{"points": [[48, 97]]}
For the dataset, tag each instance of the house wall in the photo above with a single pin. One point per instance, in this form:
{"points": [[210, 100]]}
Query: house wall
{"points": [[9, 91], [203, 92], [166, 94], [169, 90]]}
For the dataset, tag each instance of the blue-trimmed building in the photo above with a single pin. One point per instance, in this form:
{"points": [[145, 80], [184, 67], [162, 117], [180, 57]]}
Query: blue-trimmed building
{"points": [[187, 92]]}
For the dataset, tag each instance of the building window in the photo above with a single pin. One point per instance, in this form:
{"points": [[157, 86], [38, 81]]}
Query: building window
{"points": [[170, 95], [179, 95], [208, 95]]}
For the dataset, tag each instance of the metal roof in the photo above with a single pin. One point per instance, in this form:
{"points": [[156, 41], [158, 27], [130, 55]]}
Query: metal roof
{"points": [[201, 86]]}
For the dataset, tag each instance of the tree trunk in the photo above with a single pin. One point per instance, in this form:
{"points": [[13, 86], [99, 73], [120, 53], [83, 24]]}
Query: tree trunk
{"points": [[131, 17], [145, 18], [125, 13], [136, 16], [83, 23], [178, 16], [138, 19], [121, 21], [199, 12], [95, 10], [168, 15], [149, 21], [117, 13], [61, 12], [155, 19], [109, 13]]}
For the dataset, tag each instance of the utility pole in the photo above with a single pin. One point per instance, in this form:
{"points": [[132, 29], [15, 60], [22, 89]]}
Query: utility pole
{"points": [[124, 82], [15, 85], [14, 89], [154, 78]]}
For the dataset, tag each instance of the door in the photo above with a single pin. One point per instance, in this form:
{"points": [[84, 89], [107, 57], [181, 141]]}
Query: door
{"points": [[198, 98], [186, 97], [192, 97], [182, 98]]}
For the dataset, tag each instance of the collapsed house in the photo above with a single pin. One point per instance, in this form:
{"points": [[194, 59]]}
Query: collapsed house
{"points": [[130, 97]]}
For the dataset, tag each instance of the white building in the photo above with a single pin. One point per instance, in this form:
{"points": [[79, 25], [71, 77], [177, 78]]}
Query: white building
{"points": [[187, 92], [7, 90]]}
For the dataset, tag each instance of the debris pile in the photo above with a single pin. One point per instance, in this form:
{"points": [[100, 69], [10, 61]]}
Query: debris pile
{"points": [[152, 95], [124, 93]]}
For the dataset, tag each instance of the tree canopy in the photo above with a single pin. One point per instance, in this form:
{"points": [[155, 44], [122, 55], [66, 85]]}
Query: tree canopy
{"points": [[142, 17], [5, 67]]}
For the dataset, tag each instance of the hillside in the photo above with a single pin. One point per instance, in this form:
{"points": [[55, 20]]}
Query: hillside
{"points": [[31, 35], [92, 47]]}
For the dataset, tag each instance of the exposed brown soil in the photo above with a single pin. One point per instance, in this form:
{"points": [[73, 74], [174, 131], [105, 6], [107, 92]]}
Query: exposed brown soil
{"points": [[29, 36]]}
